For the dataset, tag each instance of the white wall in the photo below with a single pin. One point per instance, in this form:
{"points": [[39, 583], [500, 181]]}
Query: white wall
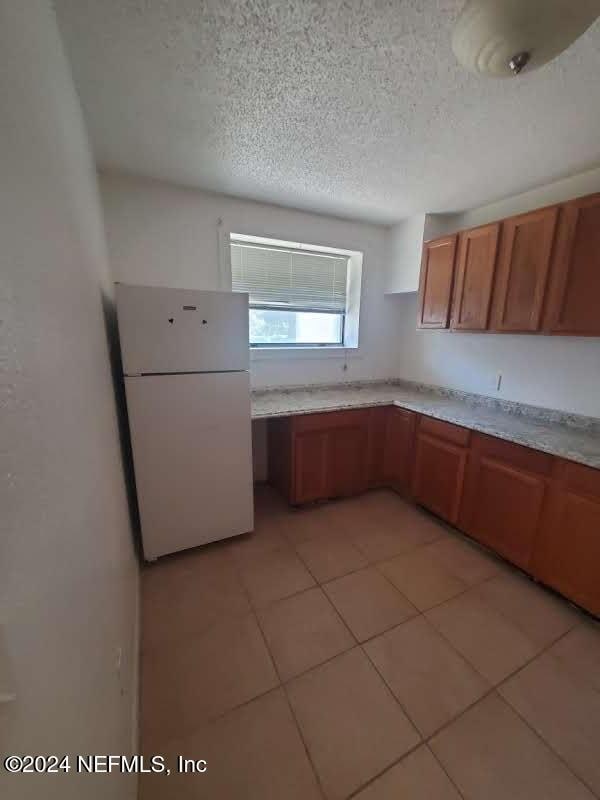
{"points": [[161, 234], [164, 235], [68, 575], [557, 192], [556, 372], [405, 243]]}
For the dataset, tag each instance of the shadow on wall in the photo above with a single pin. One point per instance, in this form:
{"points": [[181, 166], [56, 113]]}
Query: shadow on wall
{"points": [[116, 367]]}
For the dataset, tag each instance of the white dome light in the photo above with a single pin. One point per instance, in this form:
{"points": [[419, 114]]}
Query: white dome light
{"points": [[503, 37]]}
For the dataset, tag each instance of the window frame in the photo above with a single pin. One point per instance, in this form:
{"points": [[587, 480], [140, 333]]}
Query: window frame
{"points": [[349, 346]]}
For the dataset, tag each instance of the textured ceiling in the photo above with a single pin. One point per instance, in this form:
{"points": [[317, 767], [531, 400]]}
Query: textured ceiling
{"points": [[346, 106]]}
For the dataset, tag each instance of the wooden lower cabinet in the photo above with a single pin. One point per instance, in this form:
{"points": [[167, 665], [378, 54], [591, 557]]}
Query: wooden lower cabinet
{"points": [[503, 497], [540, 512], [378, 424], [399, 449], [346, 461], [310, 469], [567, 549], [439, 468], [320, 456], [279, 455]]}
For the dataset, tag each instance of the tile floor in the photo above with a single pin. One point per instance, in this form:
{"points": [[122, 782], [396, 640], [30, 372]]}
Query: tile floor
{"points": [[364, 649]]}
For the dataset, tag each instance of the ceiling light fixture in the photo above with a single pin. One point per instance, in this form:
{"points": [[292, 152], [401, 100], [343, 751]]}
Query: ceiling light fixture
{"points": [[504, 37]]}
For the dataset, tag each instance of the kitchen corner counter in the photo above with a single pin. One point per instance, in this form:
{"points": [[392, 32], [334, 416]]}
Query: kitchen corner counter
{"points": [[569, 436]]}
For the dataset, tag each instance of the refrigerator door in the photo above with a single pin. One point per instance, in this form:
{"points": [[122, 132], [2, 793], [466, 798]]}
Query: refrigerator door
{"points": [[192, 452], [180, 330]]}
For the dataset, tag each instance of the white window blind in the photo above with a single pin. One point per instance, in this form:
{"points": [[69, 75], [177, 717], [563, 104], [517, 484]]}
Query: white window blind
{"points": [[284, 278]]}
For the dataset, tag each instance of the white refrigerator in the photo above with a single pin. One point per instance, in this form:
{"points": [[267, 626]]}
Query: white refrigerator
{"points": [[185, 365]]}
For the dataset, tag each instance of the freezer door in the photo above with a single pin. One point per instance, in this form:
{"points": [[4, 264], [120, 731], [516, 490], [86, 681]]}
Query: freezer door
{"points": [[192, 451], [179, 330]]}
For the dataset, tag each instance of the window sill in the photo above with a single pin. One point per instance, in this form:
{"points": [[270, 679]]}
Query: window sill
{"points": [[330, 351]]}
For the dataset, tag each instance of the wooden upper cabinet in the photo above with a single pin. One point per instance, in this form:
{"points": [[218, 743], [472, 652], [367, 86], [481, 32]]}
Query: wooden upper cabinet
{"points": [[522, 270], [574, 297], [475, 267], [436, 281]]}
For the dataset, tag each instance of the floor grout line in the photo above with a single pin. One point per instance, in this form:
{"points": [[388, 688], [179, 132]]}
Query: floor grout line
{"points": [[287, 699], [291, 708], [444, 770], [494, 687], [358, 645], [550, 747], [390, 766], [282, 684], [466, 661]]}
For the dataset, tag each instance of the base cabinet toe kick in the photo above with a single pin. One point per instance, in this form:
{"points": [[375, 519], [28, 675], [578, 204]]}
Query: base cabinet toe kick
{"points": [[538, 511]]}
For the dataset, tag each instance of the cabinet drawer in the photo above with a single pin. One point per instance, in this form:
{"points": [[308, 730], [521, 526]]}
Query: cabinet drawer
{"points": [[330, 419], [515, 455], [445, 430]]}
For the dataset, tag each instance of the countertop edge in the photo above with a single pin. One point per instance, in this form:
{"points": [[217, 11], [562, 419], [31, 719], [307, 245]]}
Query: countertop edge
{"points": [[479, 427]]}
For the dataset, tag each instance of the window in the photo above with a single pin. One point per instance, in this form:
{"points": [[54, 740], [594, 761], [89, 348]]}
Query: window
{"points": [[298, 293]]}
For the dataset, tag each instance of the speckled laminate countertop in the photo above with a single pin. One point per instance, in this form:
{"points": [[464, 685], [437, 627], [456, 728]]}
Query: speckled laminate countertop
{"points": [[569, 436]]}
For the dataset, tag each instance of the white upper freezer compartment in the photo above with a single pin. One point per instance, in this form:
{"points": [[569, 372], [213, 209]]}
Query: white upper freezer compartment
{"points": [[181, 330]]}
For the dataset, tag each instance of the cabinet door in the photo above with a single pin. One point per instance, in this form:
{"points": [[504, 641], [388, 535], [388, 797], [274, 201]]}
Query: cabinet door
{"points": [[310, 473], [279, 455], [438, 476], [475, 266], [523, 269], [504, 494], [574, 298], [399, 448], [436, 281], [378, 421], [347, 462], [567, 550]]}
